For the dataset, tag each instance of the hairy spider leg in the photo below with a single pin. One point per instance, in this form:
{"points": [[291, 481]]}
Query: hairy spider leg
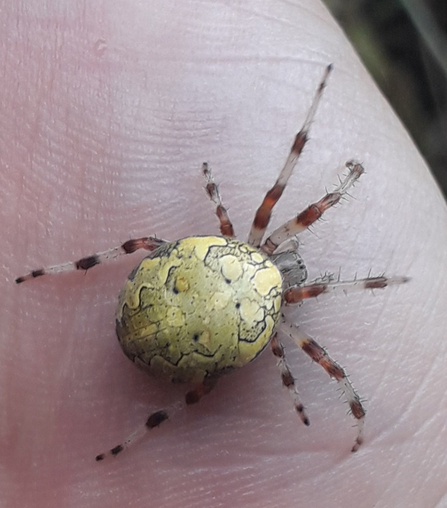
{"points": [[226, 226], [296, 294], [320, 356], [287, 377], [264, 212], [314, 211]]}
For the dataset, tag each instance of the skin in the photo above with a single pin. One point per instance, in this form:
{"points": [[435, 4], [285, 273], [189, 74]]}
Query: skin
{"points": [[107, 114]]}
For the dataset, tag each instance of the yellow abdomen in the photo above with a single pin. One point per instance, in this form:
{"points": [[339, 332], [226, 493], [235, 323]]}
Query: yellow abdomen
{"points": [[199, 306]]}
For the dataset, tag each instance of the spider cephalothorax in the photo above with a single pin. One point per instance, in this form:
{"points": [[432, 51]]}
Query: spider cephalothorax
{"points": [[199, 307]]}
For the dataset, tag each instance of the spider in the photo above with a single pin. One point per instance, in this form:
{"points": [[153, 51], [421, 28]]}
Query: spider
{"points": [[199, 307]]}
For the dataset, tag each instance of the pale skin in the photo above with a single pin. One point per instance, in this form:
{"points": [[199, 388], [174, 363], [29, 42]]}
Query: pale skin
{"points": [[104, 132]]}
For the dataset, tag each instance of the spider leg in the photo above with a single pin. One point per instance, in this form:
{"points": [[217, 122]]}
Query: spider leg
{"points": [[320, 356], [158, 417], [226, 226], [287, 377], [296, 294], [148, 243], [314, 211], [264, 212], [154, 420], [202, 389]]}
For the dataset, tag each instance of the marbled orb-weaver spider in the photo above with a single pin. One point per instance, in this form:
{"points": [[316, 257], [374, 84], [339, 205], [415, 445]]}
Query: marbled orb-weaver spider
{"points": [[196, 308]]}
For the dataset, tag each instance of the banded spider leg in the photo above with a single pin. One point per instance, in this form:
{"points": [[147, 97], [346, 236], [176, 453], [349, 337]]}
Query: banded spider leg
{"points": [[149, 243], [158, 417], [294, 272]]}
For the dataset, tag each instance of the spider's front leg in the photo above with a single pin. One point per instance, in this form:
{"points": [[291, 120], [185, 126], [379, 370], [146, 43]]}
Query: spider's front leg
{"points": [[149, 243], [314, 211], [158, 417], [320, 356], [296, 294], [264, 212], [287, 377]]}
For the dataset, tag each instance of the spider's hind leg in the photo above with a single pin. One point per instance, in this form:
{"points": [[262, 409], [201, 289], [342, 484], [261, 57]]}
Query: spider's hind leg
{"points": [[158, 417], [149, 243], [154, 420]]}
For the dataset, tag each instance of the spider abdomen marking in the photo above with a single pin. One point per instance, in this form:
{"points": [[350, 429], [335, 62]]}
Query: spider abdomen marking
{"points": [[199, 307]]}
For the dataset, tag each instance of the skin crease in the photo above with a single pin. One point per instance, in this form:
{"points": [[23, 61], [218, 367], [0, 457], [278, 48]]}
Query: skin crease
{"points": [[108, 112]]}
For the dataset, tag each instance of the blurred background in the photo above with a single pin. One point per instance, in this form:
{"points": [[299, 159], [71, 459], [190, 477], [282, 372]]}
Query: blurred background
{"points": [[403, 43]]}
